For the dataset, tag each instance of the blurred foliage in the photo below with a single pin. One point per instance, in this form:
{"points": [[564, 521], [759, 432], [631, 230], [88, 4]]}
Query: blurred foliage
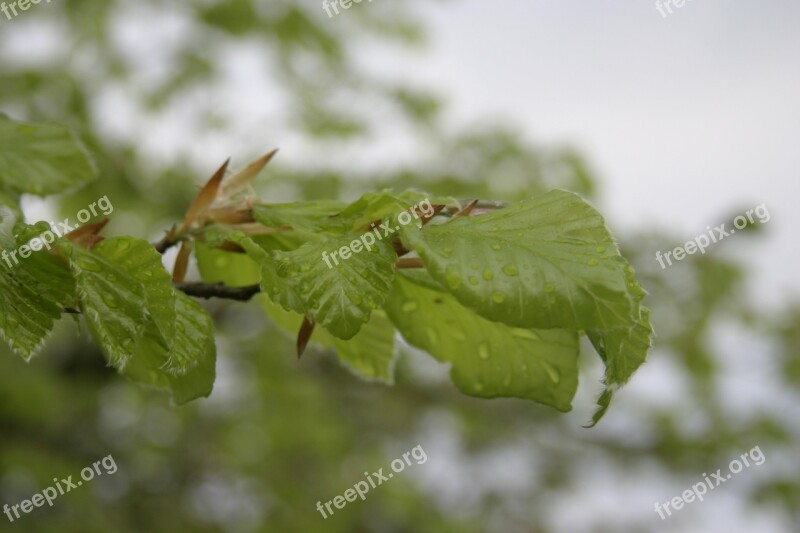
{"points": [[277, 435]]}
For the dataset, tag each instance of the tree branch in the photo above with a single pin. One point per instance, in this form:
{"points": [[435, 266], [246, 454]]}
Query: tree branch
{"points": [[218, 290], [164, 244]]}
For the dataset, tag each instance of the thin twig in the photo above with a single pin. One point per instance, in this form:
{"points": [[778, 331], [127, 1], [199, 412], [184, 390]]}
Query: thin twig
{"points": [[409, 262], [218, 290], [164, 244]]}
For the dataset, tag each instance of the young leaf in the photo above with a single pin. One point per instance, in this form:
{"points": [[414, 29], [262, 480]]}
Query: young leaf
{"points": [[623, 349], [112, 301], [205, 197], [244, 177], [488, 359], [369, 355], [339, 297], [181, 322], [310, 217], [42, 158], [219, 266], [33, 293], [150, 363], [548, 262], [181, 263]]}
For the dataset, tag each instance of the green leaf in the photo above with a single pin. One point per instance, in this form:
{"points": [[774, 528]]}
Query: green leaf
{"points": [[183, 324], [308, 216], [339, 297], [219, 266], [42, 158], [179, 341], [623, 349], [150, 364], [33, 293], [10, 200], [112, 301], [488, 359], [140, 261], [371, 207], [548, 262], [370, 354]]}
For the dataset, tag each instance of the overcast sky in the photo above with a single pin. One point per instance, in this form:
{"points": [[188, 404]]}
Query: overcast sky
{"points": [[684, 118]]}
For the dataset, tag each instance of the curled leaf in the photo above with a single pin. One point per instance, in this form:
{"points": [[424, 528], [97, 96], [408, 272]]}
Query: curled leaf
{"points": [[181, 263], [244, 177], [205, 197], [304, 335], [89, 235]]}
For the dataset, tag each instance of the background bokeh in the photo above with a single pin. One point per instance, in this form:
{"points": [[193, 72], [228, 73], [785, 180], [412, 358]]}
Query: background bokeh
{"points": [[667, 125]]}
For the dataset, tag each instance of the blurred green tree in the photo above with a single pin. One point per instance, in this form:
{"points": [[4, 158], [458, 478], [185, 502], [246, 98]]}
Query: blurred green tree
{"points": [[276, 436]]}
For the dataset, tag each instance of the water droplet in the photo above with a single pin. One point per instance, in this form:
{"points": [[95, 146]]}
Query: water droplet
{"points": [[410, 306], [478, 386], [221, 262], [552, 372], [520, 234], [495, 228], [601, 250], [488, 275], [447, 251], [524, 368], [305, 267], [432, 335], [483, 351], [458, 334], [89, 264], [593, 262], [496, 246], [549, 287], [498, 297], [473, 280], [474, 265], [510, 270], [525, 334], [452, 277]]}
